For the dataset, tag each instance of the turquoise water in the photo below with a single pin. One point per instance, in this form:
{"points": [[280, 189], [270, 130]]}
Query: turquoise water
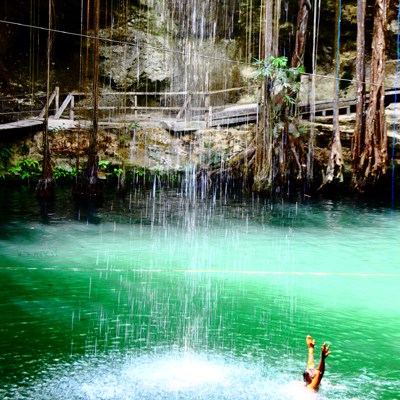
{"points": [[156, 296]]}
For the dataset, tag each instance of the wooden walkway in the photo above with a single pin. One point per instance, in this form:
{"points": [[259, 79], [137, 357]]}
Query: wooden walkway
{"points": [[200, 117], [23, 124], [234, 115]]}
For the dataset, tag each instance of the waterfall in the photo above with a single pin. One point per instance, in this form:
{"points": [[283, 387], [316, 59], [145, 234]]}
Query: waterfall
{"points": [[205, 48]]}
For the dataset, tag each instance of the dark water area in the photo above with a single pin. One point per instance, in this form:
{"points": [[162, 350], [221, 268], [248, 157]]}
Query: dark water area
{"points": [[159, 295]]}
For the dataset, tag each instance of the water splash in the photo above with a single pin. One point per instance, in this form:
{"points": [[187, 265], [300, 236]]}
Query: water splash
{"points": [[168, 375]]}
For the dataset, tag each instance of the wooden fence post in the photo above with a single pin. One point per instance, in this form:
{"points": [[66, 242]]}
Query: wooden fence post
{"points": [[209, 117], [72, 108], [52, 97], [135, 103], [57, 99], [63, 106]]}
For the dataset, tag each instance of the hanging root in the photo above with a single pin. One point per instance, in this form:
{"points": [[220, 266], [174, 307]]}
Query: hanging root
{"points": [[334, 171], [296, 157]]}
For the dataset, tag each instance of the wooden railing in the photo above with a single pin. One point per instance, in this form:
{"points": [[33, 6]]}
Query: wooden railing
{"points": [[190, 110], [208, 110], [55, 96], [322, 108]]}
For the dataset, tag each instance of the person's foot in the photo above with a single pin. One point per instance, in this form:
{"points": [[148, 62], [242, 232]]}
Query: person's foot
{"points": [[310, 341]]}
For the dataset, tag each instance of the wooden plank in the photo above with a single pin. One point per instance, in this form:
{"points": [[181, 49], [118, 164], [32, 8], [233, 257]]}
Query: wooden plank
{"points": [[71, 108], [52, 97], [224, 115], [183, 126], [185, 107], [241, 108], [234, 120], [26, 123], [63, 106]]}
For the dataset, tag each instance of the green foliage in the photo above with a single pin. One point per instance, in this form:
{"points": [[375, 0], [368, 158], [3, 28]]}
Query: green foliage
{"points": [[134, 126], [118, 171], [302, 130], [278, 128], [284, 79], [123, 138], [284, 86], [26, 168], [140, 171], [103, 165], [76, 171], [61, 172]]}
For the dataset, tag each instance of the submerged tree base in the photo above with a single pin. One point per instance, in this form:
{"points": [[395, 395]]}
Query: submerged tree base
{"points": [[45, 188], [88, 188]]}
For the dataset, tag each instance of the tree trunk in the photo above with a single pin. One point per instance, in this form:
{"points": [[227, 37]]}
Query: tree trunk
{"points": [[279, 155], [311, 138], [90, 185], [297, 156], [359, 130], [264, 138], [334, 170], [301, 32], [371, 163], [46, 184]]}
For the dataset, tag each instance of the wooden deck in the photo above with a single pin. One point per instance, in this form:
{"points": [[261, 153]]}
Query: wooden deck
{"points": [[203, 117], [240, 114], [23, 124]]}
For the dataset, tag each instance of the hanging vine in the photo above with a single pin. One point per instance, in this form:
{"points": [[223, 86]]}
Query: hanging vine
{"points": [[334, 169], [46, 184], [88, 184]]}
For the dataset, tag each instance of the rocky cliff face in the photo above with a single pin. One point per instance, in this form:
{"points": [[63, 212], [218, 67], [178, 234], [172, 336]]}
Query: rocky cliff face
{"points": [[178, 45], [158, 45], [172, 46]]}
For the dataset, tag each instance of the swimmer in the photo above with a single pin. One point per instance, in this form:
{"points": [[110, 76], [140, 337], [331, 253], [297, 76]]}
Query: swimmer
{"points": [[312, 377]]}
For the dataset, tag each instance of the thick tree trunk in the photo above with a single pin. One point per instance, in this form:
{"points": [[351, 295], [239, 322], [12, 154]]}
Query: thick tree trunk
{"points": [[263, 168], [359, 130], [279, 155], [371, 163]]}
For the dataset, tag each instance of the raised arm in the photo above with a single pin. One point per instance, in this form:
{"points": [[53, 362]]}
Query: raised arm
{"points": [[310, 344], [321, 368]]}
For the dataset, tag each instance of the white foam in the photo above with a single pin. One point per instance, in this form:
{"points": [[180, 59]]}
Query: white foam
{"points": [[170, 375]]}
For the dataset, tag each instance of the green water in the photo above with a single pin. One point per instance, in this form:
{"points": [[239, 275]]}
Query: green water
{"points": [[153, 296]]}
